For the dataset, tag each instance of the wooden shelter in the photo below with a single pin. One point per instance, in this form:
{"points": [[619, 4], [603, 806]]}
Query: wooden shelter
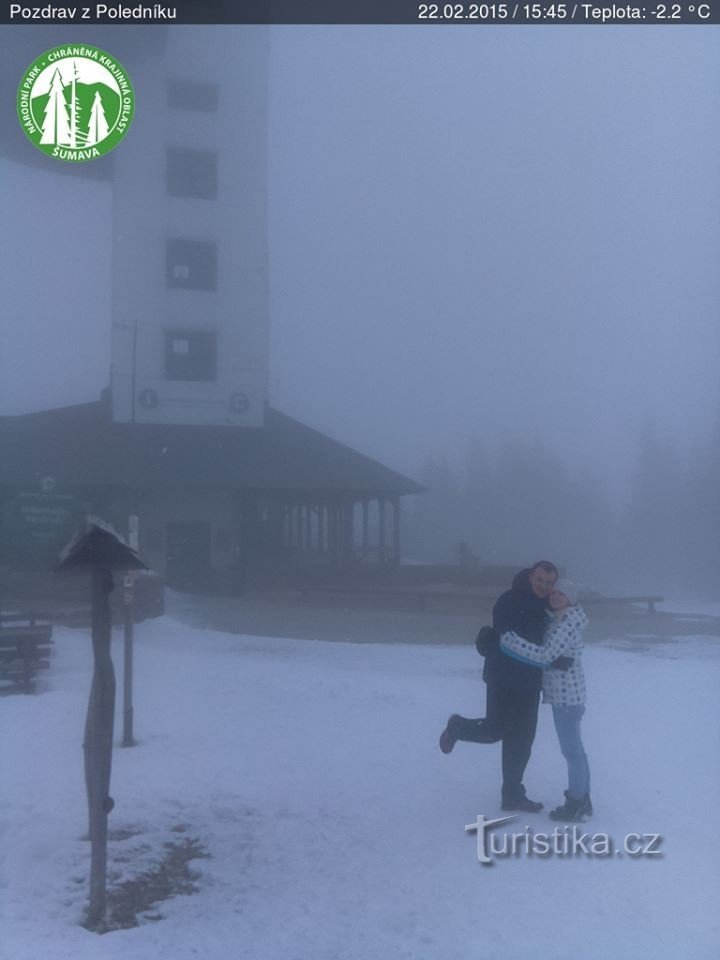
{"points": [[216, 505]]}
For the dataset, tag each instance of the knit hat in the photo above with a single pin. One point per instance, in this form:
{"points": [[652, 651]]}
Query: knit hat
{"points": [[569, 588]]}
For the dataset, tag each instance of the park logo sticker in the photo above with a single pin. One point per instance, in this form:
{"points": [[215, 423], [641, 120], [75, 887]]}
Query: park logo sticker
{"points": [[75, 103]]}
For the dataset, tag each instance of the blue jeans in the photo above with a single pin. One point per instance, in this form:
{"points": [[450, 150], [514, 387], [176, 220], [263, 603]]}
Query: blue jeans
{"points": [[567, 724]]}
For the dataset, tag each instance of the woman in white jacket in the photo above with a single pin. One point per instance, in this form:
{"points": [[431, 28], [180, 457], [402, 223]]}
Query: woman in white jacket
{"points": [[564, 689]]}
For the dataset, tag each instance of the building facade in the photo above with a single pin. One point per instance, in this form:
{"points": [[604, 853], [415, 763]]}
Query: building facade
{"points": [[190, 272]]}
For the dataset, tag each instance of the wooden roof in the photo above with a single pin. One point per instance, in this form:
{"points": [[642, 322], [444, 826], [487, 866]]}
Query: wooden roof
{"points": [[81, 446]]}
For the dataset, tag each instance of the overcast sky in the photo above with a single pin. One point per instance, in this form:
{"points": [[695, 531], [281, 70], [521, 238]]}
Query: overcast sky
{"points": [[492, 232]]}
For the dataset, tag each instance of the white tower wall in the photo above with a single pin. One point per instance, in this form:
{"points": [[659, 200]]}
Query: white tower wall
{"points": [[190, 299]]}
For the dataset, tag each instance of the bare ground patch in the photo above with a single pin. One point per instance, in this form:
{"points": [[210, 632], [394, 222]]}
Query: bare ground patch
{"points": [[134, 901]]}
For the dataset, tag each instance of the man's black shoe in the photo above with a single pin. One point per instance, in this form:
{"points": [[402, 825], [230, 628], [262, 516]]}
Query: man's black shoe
{"points": [[524, 804], [448, 738]]}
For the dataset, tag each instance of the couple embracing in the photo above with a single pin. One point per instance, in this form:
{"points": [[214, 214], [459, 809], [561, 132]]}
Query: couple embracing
{"points": [[535, 643]]}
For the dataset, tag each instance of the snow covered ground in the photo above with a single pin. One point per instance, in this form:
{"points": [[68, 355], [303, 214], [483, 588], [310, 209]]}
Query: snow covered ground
{"points": [[690, 608], [311, 774]]}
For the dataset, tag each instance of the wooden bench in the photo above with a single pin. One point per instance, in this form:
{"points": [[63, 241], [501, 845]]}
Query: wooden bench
{"points": [[607, 601], [25, 647]]}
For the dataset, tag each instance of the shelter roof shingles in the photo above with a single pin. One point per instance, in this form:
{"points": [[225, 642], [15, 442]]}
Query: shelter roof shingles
{"points": [[81, 445]]}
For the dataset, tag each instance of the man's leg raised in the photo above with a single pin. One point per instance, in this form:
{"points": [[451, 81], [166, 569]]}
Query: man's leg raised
{"points": [[486, 729]]}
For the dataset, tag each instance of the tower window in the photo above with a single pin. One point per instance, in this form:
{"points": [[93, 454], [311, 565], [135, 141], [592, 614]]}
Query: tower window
{"points": [[191, 95], [191, 264], [190, 355], [191, 173]]}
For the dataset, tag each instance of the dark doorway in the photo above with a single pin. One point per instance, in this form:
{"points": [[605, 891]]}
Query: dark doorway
{"points": [[189, 556]]}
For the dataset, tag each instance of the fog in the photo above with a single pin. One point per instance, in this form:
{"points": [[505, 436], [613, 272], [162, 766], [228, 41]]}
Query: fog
{"points": [[492, 266], [480, 239]]}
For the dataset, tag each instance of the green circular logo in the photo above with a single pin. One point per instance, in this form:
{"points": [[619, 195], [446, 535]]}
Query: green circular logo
{"points": [[75, 103]]}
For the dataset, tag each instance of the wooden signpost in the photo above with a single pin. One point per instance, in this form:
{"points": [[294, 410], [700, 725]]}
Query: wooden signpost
{"points": [[128, 738], [101, 550]]}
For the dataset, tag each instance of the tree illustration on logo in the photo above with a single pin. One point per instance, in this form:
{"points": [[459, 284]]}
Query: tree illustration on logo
{"points": [[56, 126], [77, 137], [98, 127]]}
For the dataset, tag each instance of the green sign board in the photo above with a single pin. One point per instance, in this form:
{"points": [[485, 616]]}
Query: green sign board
{"points": [[35, 526]]}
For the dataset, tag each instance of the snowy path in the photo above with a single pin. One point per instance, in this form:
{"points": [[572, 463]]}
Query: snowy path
{"points": [[311, 773]]}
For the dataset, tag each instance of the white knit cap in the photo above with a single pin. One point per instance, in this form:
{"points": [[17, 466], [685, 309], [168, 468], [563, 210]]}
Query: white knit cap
{"points": [[569, 588]]}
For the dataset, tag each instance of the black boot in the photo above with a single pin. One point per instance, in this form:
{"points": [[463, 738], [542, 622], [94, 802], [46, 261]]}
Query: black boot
{"points": [[571, 811], [449, 736], [587, 804]]}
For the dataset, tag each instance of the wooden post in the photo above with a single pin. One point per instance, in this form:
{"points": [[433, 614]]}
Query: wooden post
{"points": [[278, 515], [381, 529], [396, 530], [100, 549], [286, 525], [334, 533], [298, 526], [321, 529], [128, 739], [348, 532], [365, 528], [308, 527], [99, 741]]}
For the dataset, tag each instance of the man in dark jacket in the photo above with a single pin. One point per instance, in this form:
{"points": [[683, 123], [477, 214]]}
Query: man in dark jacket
{"points": [[513, 688]]}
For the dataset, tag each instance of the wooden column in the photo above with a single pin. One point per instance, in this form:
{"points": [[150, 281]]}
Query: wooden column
{"points": [[332, 533], [338, 510], [337, 532], [321, 529], [277, 525], [337, 518], [298, 526], [348, 531], [365, 528], [396, 530], [381, 530]]}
